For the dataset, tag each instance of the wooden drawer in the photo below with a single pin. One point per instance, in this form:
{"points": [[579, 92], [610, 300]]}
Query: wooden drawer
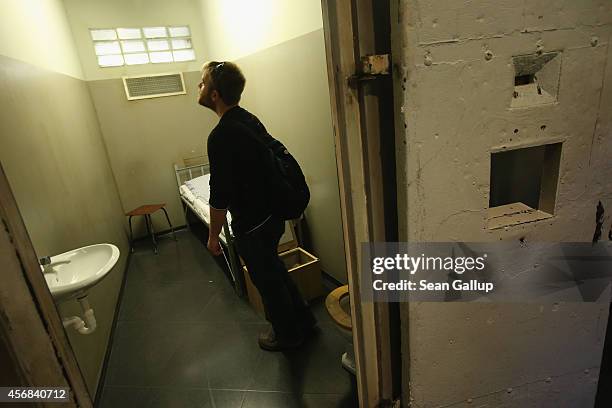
{"points": [[304, 269]]}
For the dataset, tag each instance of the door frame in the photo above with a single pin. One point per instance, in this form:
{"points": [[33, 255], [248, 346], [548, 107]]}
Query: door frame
{"points": [[349, 27], [30, 325]]}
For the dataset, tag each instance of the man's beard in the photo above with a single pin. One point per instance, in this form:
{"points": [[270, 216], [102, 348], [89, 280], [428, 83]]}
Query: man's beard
{"points": [[206, 101]]}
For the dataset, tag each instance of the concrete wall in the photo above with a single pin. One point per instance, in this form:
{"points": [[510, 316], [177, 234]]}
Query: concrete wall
{"points": [[238, 28], [55, 159], [456, 58], [295, 109], [37, 32], [145, 138]]}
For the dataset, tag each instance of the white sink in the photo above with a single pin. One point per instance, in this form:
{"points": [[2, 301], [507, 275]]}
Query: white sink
{"points": [[86, 267]]}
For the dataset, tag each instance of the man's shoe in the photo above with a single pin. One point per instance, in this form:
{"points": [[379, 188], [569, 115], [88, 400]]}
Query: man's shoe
{"points": [[268, 341]]}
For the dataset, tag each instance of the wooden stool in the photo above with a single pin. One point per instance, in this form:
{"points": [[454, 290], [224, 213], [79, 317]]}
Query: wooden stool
{"points": [[147, 210]]}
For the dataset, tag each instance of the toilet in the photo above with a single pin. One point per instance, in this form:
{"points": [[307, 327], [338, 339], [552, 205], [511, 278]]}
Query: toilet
{"points": [[338, 307]]}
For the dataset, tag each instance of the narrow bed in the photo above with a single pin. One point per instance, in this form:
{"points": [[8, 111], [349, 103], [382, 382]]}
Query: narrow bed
{"points": [[194, 190]]}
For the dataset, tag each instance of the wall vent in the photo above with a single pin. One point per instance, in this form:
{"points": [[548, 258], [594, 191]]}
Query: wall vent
{"points": [[154, 86]]}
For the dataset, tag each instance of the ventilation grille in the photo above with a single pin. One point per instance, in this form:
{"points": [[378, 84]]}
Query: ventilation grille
{"points": [[154, 86]]}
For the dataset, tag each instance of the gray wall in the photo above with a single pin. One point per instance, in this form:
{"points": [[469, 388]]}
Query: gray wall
{"points": [[287, 89], [457, 109], [57, 166], [145, 138]]}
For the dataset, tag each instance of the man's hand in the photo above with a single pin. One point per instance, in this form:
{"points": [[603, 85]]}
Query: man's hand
{"points": [[217, 218], [213, 246]]}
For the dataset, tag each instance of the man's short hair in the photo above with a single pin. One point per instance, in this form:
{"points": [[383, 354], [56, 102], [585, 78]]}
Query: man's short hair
{"points": [[227, 79]]}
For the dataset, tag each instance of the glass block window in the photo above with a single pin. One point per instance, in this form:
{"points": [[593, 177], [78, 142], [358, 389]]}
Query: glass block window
{"points": [[115, 47]]}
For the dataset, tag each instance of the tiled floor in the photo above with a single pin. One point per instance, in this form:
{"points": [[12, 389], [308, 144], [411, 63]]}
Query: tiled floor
{"points": [[184, 339]]}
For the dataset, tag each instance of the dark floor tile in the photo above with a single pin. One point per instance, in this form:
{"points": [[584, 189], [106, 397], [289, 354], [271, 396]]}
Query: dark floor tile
{"points": [[227, 399], [123, 397], [227, 306], [231, 356], [320, 311], [128, 397], [185, 355], [179, 398], [147, 354], [258, 399], [184, 260], [314, 368], [168, 302], [183, 329], [176, 270], [329, 401]]}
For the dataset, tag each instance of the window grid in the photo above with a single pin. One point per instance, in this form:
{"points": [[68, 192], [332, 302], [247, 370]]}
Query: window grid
{"points": [[132, 45]]}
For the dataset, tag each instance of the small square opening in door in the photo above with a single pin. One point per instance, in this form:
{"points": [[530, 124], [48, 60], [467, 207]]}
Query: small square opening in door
{"points": [[523, 185], [536, 79]]}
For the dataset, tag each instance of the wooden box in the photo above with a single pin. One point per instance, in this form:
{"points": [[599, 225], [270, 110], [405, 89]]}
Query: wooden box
{"points": [[304, 269]]}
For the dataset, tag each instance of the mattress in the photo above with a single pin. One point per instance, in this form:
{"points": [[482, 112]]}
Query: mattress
{"points": [[200, 187], [197, 192]]}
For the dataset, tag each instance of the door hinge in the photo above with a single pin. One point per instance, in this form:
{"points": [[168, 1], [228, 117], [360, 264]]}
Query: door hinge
{"points": [[372, 67]]}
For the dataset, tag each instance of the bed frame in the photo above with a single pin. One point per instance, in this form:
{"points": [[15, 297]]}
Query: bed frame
{"points": [[230, 254]]}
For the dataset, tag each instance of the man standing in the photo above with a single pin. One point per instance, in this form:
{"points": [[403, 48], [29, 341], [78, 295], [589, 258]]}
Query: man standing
{"points": [[238, 184]]}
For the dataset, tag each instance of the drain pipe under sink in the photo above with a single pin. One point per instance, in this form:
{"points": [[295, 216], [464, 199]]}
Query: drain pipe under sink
{"points": [[85, 325]]}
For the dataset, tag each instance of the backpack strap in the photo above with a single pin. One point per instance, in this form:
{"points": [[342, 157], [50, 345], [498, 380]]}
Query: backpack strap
{"points": [[257, 131]]}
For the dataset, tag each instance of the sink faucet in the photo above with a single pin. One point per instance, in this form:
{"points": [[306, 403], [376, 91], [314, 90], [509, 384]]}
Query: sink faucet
{"points": [[48, 265]]}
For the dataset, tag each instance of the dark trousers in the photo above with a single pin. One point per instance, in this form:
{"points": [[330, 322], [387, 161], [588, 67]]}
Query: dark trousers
{"points": [[285, 308]]}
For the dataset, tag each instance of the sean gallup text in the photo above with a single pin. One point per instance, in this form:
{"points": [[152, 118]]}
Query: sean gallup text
{"points": [[423, 285]]}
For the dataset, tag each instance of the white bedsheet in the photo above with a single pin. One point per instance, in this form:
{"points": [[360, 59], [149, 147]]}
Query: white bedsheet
{"points": [[197, 192], [185, 192], [202, 209], [200, 187]]}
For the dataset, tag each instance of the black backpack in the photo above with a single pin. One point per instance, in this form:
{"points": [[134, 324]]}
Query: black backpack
{"points": [[286, 185]]}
